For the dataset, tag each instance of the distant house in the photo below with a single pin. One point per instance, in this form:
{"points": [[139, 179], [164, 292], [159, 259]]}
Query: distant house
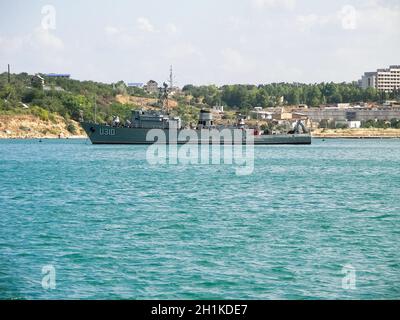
{"points": [[282, 115], [37, 81], [354, 124], [58, 75], [135, 84], [175, 90], [303, 106], [219, 109], [50, 88], [299, 116], [259, 114], [151, 86], [391, 103], [343, 105]]}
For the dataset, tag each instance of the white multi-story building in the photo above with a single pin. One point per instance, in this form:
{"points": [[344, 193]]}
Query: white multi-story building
{"points": [[383, 79]]}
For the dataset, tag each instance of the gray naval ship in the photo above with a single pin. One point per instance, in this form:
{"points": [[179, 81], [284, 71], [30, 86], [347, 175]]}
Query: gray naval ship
{"points": [[138, 130], [169, 130]]}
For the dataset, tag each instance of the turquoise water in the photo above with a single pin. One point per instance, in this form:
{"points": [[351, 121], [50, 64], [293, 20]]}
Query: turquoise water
{"points": [[115, 227]]}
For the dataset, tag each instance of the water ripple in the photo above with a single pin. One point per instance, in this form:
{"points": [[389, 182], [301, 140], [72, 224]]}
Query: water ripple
{"points": [[115, 227]]}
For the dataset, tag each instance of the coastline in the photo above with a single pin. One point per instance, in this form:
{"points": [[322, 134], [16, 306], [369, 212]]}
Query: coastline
{"points": [[72, 137], [336, 135], [33, 127], [362, 133], [26, 126], [356, 137]]}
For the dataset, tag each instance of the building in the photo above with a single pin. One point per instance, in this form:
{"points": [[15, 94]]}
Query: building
{"points": [[392, 104], [260, 114], [58, 75], [151, 86], [354, 124], [218, 109], [135, 84], [386, 80], [283, 114], [174, 90], [302, 106], [368, 80], [352, 114], [37, 81]]}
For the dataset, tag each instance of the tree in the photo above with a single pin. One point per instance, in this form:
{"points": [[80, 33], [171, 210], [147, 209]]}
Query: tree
{"points": [[261, 99], [120, 88], [293, 97], [314, 96]]}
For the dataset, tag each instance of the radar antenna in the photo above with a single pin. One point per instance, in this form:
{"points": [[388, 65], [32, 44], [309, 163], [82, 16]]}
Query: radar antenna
{"points": [[171, 78]]}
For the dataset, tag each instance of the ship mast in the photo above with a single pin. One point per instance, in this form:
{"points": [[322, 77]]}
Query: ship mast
{"points": [[171, 78], [165, 91], [164, 98]]}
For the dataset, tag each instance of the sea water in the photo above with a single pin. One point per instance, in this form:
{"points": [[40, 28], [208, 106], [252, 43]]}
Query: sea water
{"points": [[79, 221]]}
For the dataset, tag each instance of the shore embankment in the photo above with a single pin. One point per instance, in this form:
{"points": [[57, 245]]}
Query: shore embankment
{"points": [[30, 127], [361, 133]]}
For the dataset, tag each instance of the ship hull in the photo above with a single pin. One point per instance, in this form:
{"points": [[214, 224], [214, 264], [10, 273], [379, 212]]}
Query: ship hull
{"points": [[103, 134]]}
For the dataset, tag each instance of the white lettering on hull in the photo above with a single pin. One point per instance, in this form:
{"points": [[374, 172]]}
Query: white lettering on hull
{"points": [[107, 132]]}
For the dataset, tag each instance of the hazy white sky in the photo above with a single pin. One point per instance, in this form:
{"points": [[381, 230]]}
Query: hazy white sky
{"points": [[207, 41]]}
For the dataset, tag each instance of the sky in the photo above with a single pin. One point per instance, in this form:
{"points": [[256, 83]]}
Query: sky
{"points": [[206, 41]]}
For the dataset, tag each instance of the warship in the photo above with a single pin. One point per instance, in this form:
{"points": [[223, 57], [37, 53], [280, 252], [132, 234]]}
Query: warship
{"points": [[169, 130]]}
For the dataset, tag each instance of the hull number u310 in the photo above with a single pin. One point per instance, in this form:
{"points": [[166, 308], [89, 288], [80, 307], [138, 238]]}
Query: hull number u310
{"points": [[107, 132]]}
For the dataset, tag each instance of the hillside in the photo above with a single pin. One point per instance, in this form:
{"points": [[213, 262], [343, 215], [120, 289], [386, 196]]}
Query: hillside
{"points": [[28, 94], [141, 101], [32, 106], [31, 126]]}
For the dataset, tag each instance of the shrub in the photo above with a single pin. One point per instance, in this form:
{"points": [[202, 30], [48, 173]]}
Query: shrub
{"points": [[71, 128], [52, 118], [40, 112]]}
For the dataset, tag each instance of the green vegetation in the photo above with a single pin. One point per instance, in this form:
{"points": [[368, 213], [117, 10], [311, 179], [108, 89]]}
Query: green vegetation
{"points": [[66, 97], [244, 97], [71, 128], [188, 114], [42, 113], [381, 124]]}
